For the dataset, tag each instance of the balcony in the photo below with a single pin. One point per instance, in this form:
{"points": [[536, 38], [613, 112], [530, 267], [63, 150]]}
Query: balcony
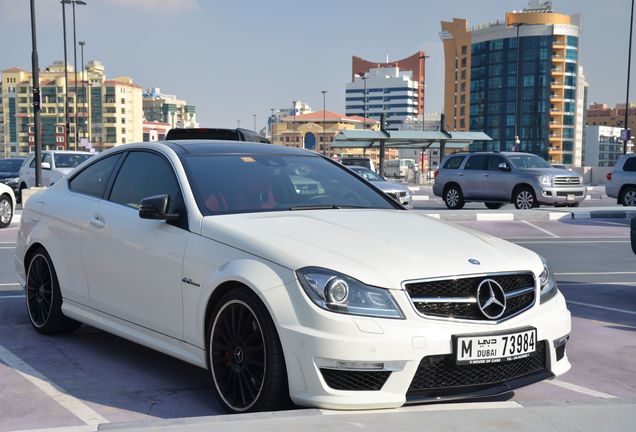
{"points": [[558, 58]]}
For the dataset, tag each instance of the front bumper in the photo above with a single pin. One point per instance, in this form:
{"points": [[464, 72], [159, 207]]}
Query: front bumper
{"points": [[560, 195], [386, 354]]}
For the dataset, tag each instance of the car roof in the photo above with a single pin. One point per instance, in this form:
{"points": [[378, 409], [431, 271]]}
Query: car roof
{"points": [[201, 147], [486, 152]]}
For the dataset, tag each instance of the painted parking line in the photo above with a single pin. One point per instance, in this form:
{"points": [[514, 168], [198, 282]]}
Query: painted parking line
{"points": [[580, 389], [601, 307], [466, 406], [543, 230], [87, 428], [18, 296], [77, 407], [10, 284]]}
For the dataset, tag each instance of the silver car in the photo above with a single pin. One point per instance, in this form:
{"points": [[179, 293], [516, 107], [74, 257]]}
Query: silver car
{"points": [[622, 181], [397, 191], [497, 178]]}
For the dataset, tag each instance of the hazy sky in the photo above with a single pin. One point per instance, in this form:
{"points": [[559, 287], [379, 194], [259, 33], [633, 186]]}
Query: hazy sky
{"points": [[236, 58]]}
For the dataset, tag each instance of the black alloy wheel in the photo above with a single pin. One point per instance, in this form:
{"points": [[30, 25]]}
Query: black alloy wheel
{"points": [[524, 199], [245, 356], [494, 205], [6, 211], [453, 197], [43, 297]]}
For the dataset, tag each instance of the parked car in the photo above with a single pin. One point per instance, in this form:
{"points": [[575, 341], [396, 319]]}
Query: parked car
{"points": [[633, 234], [55, 165], [497, 178], [397, 191], [400, 168], [215, 134], [365, 162], [208, 252], [7, 205], [10, 172], [622, 181]]}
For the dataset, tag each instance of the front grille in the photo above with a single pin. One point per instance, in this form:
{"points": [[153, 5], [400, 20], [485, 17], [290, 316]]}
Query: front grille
{"points": [[354, 380], [440, 374], [567, 181], [456, 298], [564, 194]]}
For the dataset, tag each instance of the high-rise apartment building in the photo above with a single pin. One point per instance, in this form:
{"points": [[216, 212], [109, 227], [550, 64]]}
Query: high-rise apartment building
{"points": [[164, 108], [109, 112], [384, 90], [517, 81]]}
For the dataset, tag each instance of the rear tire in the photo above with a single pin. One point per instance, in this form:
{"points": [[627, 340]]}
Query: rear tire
{"points": [[628, 198], [43, 297], [494, 205], [524, 198], [453, 197], [245, 357]]}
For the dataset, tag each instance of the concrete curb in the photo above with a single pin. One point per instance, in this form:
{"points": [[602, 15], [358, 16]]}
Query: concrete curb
{"points": [[527, 215]]}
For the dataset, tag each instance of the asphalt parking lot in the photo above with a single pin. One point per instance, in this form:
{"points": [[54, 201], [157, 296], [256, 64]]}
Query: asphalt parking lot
{"points": [[90, 378]]}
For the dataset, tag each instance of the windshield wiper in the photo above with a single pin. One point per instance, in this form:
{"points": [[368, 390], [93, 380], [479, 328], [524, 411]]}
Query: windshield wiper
{"points": [[315, 207]]}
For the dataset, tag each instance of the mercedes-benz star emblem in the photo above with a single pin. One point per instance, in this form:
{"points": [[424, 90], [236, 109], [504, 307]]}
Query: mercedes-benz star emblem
{"points": [[474, 261], [491, 299]]}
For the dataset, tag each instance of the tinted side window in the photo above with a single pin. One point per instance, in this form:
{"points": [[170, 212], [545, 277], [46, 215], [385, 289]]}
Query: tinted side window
{"points": [[494, 161], [630, 164], [454, 162], [143, 175], [92, 180], [477, 162]]}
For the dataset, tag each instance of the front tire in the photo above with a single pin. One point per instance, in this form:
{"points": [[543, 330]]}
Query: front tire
{"points": [[453, 197], [246, 361], [6, 211], [524, 199], [629, 197], [43, 297]]}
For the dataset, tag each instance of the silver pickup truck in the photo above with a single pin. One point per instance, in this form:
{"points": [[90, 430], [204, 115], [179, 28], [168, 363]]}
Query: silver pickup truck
{"points": [[496, 178]]}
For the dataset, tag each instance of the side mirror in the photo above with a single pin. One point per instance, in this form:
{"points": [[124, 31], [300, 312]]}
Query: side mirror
{"points": [[633, 234], [45, 165], [156, 207], [504, 167]]}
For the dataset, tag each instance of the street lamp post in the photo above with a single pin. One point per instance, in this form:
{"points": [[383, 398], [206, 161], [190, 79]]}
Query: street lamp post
{"points": [[324, 122], [74, 2], [294, 108], [629, 64], [36, 100], [519, 77], [84, 86], [66, 125], [364, 96], [271, 125], [254, 122]]}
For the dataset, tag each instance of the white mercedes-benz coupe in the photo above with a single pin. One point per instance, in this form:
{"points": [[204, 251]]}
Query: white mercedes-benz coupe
{"points": [[288, 277]]}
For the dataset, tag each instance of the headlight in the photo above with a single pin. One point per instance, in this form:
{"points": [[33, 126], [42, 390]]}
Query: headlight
{"points": [[337, 292], [545, 180], [11, 181], [548, 284]]}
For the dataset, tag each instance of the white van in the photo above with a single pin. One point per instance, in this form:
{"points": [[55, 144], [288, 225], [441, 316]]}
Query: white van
{"points": [[400, 167], [359, 161]]}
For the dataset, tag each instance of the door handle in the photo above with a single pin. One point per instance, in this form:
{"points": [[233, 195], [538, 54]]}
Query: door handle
{"points": [[97, 222]]}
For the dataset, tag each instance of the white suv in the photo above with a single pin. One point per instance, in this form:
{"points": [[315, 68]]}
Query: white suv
{"points": [[622, 181], [55, 165]]}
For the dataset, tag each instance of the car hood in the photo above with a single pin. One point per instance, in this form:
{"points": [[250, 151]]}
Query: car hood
{"points": [[8, 174], [549, 171], [378, 247], [388, 186]]}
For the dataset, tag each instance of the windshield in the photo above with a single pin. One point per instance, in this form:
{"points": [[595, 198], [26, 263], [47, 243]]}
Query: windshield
{"points": [[249, 183], [10, 165], [528, 161], [65, 160]]}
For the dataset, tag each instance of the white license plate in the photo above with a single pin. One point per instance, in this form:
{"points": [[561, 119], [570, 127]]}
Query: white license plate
{"points": [[495, 348], [570, 197]]}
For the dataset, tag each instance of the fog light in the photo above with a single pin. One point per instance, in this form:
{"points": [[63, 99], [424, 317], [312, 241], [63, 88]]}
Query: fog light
{"points": [[547, 193], [559, 346], [337, 291]]}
